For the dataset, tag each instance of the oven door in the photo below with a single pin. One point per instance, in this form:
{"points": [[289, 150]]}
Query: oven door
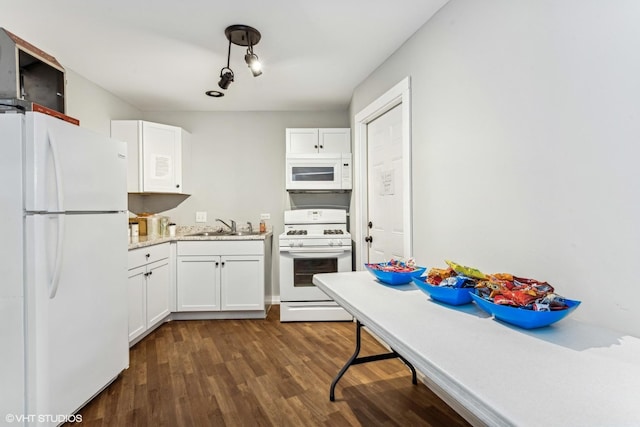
{"points": [[298, 265], [314, 172]]}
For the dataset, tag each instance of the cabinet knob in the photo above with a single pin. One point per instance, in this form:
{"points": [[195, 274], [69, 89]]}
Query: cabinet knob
{"points": [[223, 263], [147, 256], [217, 263], [368, 239], [177, 185], [315, 146], [321, 147]]}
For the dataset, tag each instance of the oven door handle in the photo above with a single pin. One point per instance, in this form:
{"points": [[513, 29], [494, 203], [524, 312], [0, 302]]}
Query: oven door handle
{"points": [[314, 252]]}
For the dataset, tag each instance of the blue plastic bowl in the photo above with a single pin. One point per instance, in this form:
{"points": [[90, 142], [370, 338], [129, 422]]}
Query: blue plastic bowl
{"points": [[527, 319], [448, 295], [393, 278]]}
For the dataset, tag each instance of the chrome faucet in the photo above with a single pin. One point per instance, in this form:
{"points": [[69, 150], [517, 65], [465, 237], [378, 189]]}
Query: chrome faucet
{"points": [[232, 227]]}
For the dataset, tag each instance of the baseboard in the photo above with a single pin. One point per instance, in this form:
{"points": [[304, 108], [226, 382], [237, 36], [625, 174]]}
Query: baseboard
{"points": [[275, 299]]}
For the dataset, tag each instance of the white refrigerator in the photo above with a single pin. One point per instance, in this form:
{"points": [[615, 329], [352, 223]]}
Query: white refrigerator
{"points": [[63, 300]]}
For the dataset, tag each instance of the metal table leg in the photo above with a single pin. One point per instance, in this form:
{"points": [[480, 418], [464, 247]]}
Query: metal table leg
{"points": [[355, 360]]}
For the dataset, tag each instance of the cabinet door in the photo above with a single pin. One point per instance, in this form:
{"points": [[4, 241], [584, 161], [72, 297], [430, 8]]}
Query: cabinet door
{"points": [[242, 282], [161, 154], [198, 283], [302, 141], [334, 140], [136, 302], [158, 292]]}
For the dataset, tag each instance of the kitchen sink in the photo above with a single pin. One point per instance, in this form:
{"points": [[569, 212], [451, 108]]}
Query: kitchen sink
{"points": [[209, 233], [223, 233]]}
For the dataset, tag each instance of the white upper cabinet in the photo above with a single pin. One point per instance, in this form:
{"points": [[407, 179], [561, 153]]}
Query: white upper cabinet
{"points": [[334, 140], [156, 154], [322, 140]]}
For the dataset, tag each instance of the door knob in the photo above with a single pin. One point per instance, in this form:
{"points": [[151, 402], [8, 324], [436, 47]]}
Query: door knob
{"points": [[370, 224], [368, 239]]}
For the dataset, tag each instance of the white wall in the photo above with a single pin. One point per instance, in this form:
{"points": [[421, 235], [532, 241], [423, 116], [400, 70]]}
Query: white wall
{"points": [[526, 124], [237, 159], [94, 106], [237, 165]]}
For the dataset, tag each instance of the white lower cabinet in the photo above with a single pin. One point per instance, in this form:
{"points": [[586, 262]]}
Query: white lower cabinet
{"points": [[218, 279], [220, 276], [242, 282], [198, 283], [149, 288]]}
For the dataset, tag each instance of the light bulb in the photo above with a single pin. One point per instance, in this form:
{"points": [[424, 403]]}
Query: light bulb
{"points": [[254, 64]]}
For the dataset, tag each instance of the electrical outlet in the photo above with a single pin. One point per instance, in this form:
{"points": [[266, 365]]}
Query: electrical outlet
{"points": [[265, 216], [201, 217]]}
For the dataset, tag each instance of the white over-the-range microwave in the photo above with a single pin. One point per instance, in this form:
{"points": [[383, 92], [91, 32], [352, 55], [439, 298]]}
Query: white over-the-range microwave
{"points": [[318, 171]]}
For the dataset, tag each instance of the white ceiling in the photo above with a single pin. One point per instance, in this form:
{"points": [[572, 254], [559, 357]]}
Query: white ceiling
{"points": [[163, 55]]}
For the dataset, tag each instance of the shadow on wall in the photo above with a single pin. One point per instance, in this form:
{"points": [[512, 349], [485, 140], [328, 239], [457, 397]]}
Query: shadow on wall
{"points": [[154, 203], [320, 200]]}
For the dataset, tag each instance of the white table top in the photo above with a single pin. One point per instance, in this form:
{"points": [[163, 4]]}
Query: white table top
{"points": [[566, 374]]}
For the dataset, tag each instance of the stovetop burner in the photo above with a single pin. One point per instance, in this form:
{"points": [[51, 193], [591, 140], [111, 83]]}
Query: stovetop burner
{"points": [[333, 232], [317, 233]]}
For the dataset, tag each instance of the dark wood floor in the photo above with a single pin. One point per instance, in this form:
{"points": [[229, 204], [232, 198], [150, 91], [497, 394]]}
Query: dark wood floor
{"points": [[262, 373]]}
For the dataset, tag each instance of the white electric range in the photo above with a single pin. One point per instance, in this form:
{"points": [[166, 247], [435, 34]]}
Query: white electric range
{"points": [[314, 241]]}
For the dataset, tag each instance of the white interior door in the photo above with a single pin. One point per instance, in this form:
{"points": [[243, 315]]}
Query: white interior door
{"points": [[385, 164], [391, 210]]}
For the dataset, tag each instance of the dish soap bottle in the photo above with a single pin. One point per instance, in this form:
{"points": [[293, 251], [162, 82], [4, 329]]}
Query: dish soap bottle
{"points": [[263, 226]]}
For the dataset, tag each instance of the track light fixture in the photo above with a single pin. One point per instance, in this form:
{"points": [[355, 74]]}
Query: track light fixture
{"points": [[241, 35], [253, 62], [225, 78]]}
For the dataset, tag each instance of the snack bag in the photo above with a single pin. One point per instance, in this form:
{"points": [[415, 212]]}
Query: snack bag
{"points": [[436, 275], [466, 271]]}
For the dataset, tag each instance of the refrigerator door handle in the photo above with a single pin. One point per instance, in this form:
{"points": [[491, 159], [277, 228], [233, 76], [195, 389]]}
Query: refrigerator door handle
{"points": [[58, 171], [55, 278]]}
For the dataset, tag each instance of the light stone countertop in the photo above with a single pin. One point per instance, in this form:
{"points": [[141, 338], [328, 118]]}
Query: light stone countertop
{"points": [[182, 235]]}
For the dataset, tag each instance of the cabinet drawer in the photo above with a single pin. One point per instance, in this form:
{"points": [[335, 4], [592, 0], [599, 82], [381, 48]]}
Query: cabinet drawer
{"points": [[142, 256], [222, 247]]}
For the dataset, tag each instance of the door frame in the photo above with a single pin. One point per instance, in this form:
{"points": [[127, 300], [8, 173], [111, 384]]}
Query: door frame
{"points": [[400, 94]]}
